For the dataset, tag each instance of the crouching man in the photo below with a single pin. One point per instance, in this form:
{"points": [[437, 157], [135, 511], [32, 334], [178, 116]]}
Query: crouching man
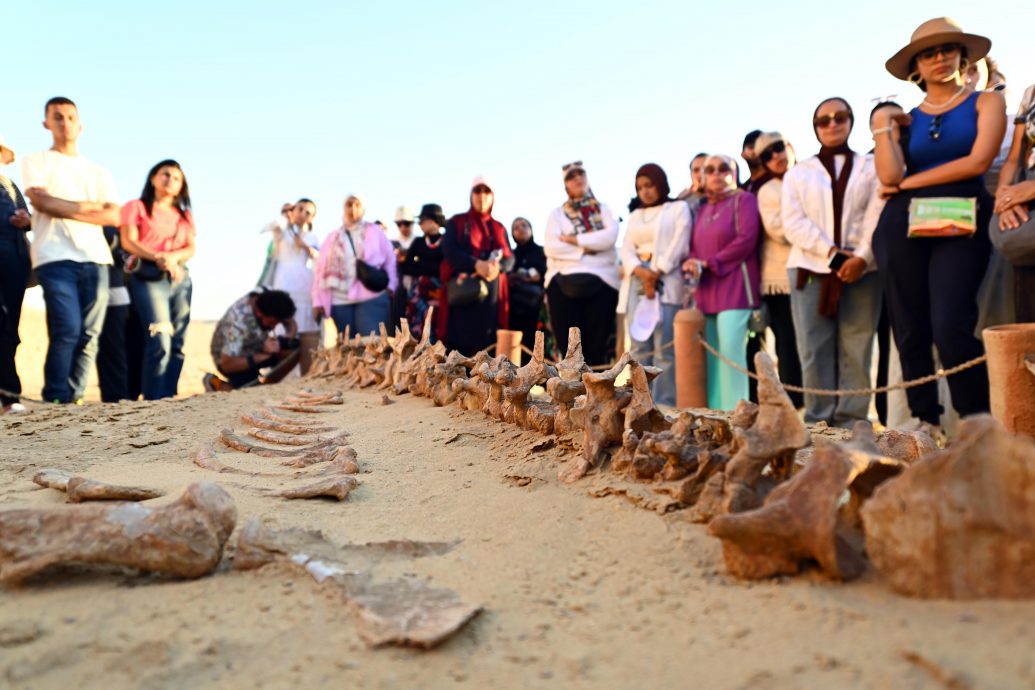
{"points": [[243, 344]]}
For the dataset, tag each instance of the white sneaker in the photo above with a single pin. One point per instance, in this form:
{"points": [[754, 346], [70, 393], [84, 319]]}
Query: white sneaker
{"points": [[15, 408]]}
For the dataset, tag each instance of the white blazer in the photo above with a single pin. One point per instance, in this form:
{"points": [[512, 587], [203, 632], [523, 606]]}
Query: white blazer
{"points": [[807, 211], [594, 254], [671, 247]]}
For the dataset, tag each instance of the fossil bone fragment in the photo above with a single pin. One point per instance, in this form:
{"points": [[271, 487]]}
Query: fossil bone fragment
{"points": [[184, 538], [567, 385], [600, 417], [337, 487], [959, 523]]}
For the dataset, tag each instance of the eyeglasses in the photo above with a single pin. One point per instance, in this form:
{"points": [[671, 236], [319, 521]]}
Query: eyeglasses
{"points": [[481, 189], [840, 117], [772, 150], [722, 169], [935, 130], [948, 50]]}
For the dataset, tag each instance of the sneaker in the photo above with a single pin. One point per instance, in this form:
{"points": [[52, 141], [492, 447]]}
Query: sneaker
{"points": [[15, 408], [214, 384]]}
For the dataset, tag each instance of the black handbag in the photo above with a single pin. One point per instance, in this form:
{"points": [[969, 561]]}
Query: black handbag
{"points": [[373, 278], [578, 285], [462, 292], [527, 296]]}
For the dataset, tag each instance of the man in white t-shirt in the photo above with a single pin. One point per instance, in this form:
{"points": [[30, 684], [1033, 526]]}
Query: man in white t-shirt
{"points": [[72, 198]]}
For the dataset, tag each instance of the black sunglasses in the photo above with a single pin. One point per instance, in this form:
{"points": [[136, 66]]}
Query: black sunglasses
{"points": [[772, 150], [722, 169], [840, 117], [948, 50]]}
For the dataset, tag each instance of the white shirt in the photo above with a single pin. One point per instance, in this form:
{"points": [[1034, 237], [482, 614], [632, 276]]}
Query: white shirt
{"points": [[807, 211], [72, 178]]}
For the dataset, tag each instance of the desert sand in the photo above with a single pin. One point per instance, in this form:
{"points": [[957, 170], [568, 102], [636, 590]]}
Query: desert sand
{"points": [[577, 591]]}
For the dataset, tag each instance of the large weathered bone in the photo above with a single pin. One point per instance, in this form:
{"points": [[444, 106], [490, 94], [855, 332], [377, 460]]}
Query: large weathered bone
{"points": [[207, 458], [401, 612], [184, 538], [305, 400], [418, 359], [402, 347], [79, 489], [600, 417], [471, 392], [640, 414], [536, 373], [814, 516], [495, 374], [326, 454], [293, 439], [771, 441], [567, 385], [436, 377], [308, 409], [337, 487], [959, 523], [268, 419]]}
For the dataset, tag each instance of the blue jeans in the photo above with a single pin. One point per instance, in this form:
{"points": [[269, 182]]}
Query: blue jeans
{"points": [[76, 296], [164, 309], [836, 353], [362, 318], [663, 388]]}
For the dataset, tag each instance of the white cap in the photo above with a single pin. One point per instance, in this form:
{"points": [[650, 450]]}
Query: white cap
{"points": [[645, 319], [403, 213], [481, 180]]}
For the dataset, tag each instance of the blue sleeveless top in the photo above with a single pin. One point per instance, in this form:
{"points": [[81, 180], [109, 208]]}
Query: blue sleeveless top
{"points": [[938, 139]]}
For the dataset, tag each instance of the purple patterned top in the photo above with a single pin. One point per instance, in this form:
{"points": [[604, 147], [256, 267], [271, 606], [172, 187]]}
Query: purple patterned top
{"points": [[731, 280]]}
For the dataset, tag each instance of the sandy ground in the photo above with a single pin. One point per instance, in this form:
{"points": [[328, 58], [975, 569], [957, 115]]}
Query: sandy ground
{"points": [[578, 591]]}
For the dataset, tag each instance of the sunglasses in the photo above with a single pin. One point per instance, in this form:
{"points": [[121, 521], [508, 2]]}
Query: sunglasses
{"points": [[572, 174], [721, 169], [481, 189], [772, 150], [840, 117], [948, 50], [569, 166], [400, 223]]}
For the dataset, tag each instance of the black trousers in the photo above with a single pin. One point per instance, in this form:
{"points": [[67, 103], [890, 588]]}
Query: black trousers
{"points": [[13, 277], [930, 289], [594, 316], [781, 322], [112, 364]]}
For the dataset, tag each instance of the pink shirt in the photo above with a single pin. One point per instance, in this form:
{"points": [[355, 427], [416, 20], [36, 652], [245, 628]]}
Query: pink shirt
{"points": [[165, 231]]}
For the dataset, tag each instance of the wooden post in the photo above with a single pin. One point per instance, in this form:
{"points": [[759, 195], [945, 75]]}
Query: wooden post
{"points": [[1011, 358], [690, 359], [509, 343]]}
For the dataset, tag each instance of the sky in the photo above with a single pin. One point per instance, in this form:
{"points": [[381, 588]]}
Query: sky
{"points": [[404, 103]]}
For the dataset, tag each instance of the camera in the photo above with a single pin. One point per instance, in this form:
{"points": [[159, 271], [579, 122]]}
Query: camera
{"points": [[287, 343]]}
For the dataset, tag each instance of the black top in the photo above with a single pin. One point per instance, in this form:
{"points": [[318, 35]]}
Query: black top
{"points": [[422, 260], [530, 255]]}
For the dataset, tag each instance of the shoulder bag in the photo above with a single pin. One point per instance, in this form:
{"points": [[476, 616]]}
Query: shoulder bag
{"points": [[373, 278]]}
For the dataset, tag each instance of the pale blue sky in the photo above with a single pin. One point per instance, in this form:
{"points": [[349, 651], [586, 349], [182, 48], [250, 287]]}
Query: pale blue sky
{"points": [[405, 102]]}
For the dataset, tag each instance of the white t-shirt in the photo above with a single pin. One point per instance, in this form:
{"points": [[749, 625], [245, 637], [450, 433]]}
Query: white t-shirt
{"points": [[76, 179]]}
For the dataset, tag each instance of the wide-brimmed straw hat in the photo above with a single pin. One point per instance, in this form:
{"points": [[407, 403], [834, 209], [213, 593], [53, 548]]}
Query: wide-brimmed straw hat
{"points": [[936, 32]]}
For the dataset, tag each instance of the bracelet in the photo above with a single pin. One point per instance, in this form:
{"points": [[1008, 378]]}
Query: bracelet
{"points": [[882, 130]]}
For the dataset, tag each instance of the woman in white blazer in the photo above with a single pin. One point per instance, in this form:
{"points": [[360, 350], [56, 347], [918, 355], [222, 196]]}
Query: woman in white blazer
{"points": [[829, 211], [657, 240]]}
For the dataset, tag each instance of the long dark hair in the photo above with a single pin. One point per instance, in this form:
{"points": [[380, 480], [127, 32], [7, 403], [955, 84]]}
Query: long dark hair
{"points": [[182, 200]]}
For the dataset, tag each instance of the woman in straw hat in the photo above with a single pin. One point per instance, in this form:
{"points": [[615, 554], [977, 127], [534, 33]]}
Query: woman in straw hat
{"points": [[942, 148]]}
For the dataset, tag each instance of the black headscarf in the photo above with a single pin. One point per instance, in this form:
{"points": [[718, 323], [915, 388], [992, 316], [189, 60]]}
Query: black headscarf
{"points": [[655, 174]]}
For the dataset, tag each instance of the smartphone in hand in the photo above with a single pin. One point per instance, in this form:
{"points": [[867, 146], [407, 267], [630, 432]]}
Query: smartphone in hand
{"points": [[837, 261]]}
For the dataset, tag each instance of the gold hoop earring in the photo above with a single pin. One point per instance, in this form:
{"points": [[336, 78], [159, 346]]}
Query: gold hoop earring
{"points": [[914, 77]]}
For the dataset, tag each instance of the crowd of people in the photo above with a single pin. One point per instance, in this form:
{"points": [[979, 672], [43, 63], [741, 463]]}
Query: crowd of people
{"points": [[823, 257]]}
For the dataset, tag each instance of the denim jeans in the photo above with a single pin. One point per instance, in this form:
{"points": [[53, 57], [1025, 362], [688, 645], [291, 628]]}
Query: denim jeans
{"points": [[652, 352], [362, 317], [76, 296], [837, 353], [164, 309]]}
